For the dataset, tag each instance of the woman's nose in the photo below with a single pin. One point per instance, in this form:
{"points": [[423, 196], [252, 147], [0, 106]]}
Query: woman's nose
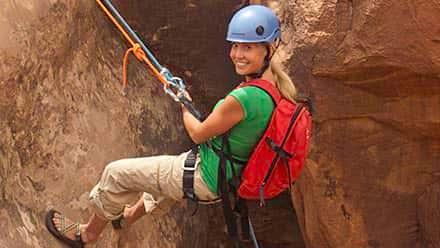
{"points": [[239, 53]]}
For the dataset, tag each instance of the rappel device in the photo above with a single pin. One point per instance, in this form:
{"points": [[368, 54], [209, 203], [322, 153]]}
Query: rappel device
{"points": [[173, 86]]}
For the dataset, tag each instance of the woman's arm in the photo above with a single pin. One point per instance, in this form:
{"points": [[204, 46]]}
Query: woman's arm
{"points": [[223, 118]]}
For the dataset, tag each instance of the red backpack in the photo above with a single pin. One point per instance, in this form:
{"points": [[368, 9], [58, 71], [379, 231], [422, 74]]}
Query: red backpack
{"points": [[275, 163], [278, 158]]}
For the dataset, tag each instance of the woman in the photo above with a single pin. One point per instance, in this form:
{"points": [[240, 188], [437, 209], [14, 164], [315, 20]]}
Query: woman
{"points": [[254, 32]]}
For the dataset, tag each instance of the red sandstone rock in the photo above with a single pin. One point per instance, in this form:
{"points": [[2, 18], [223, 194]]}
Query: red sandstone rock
{"points": [[62, 117], [371, 67]]}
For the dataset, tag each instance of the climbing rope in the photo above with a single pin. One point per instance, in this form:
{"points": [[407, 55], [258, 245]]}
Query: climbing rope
{"points": [[139, 54], [173, 86]]}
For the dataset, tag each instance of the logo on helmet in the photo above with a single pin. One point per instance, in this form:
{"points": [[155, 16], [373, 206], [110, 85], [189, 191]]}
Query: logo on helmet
{"points": [[260, 30]]}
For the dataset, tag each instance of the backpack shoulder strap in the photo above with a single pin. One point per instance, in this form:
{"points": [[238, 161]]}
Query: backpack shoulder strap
{"points": [[266, 86]]}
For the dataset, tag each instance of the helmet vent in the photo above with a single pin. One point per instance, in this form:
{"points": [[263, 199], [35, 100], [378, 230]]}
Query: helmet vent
{"points": [[260, 30]]}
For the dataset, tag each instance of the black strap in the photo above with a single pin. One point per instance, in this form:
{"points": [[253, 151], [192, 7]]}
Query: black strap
{"points": [[223, 190], [188, 178], [286, 162], [242, 211], [228, 155], [266, 62], [278, 149], [79, 242], [188, 175]]}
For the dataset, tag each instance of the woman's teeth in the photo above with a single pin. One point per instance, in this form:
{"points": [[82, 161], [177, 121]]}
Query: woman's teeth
{"points": [[241, 64]]}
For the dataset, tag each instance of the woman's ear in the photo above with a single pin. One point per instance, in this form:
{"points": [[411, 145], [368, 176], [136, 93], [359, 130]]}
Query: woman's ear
{"points": [[272, 49]]}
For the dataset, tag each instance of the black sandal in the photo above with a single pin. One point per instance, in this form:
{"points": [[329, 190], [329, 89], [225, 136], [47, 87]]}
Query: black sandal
{"points": [[59, 234], [119, 223]]}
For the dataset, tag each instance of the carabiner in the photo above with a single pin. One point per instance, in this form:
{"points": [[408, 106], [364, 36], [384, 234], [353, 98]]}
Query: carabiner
{"points": [[171, 93]]}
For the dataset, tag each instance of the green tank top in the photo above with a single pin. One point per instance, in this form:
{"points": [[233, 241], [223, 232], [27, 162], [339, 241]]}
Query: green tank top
{"points": [[257, 106]]}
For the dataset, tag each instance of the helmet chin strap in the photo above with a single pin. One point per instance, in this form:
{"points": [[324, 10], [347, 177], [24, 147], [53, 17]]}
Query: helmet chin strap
{"points": [[260, 72], [266, 62]]}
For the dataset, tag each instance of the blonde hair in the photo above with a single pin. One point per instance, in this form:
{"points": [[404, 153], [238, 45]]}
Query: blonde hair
{"points": [[283, 82]]}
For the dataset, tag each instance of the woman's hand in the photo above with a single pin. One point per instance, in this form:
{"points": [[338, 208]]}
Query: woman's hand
{"points": [[186, 95], [223, 118]]}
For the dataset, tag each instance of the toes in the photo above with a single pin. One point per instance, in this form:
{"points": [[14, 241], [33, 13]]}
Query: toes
{"points": [[59, 221]]}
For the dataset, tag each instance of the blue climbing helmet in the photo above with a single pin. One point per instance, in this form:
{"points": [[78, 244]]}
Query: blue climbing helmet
{"points": [[254, 23]]}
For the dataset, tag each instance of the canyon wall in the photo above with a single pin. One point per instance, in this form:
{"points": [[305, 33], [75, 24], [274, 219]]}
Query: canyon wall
{"points": [[370, 67]]}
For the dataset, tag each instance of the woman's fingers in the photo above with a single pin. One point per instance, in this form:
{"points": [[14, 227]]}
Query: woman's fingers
{"points": [[185, 94]]}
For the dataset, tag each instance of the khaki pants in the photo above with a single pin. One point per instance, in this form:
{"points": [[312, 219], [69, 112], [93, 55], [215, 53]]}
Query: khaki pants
{"points": [[159, 177]]}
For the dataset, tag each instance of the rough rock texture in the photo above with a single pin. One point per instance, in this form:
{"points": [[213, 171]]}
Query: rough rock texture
{"points": [[371, 67], [62, 118]]}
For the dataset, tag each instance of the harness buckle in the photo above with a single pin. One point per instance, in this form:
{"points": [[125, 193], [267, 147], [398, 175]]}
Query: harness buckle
{"points": [[190, 162], [185, 168]]}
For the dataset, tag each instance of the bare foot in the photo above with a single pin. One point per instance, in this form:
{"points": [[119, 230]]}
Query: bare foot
{"points": [[69, 228]]}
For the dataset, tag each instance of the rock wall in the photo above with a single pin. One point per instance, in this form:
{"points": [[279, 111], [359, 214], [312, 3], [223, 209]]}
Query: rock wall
{"points": [[371, 68], [62, 117]]}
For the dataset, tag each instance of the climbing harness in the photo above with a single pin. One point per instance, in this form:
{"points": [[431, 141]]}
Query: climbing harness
{"points": [[173, 86]]}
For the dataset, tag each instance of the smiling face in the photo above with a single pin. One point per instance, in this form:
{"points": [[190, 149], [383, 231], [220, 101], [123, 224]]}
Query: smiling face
{"points": [[248, 58]]}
